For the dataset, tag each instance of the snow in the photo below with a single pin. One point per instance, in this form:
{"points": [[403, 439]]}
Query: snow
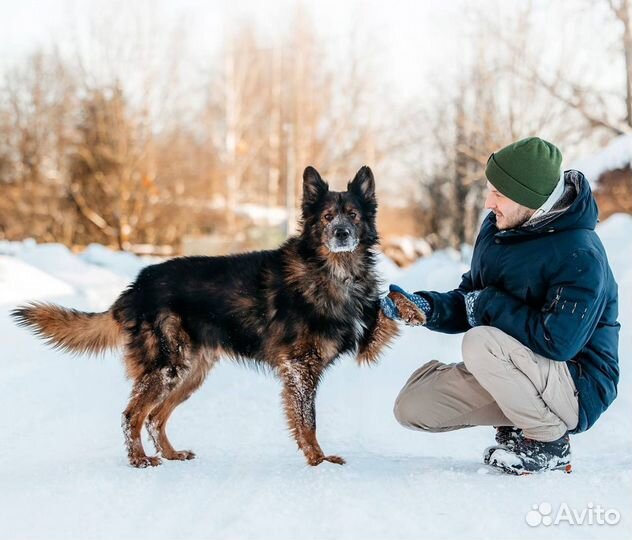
{"points": [[411, 247], [119, 262], [441, 272], [387, 269], [616, 155], [64, 473], [20, 281]]}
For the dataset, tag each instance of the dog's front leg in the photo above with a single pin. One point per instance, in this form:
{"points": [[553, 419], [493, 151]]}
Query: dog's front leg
{"points": [[299, 397], [380, 332]]}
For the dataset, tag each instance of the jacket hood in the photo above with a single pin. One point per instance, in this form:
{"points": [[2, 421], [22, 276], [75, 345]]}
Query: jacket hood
{"points": [[576, 209]]}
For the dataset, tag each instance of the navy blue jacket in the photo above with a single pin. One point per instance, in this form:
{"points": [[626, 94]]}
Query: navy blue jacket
{"points": [[548, 285]]}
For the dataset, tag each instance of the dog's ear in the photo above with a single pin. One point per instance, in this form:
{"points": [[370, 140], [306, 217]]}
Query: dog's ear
{"points": [[363, 185], [314, 187]]}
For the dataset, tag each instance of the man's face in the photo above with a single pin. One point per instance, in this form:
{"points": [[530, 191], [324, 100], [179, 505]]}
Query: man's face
{"points": [[509, 214]]}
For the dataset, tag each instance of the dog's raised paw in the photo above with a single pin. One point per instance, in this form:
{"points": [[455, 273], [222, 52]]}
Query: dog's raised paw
{"points": [[142, 462], [409, 312]]}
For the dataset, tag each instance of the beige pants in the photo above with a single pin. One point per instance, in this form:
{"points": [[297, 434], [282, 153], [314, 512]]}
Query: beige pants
{"points": [[499, 383]]}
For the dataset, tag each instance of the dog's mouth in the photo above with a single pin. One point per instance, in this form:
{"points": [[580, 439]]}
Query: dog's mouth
{"points": [[341, 236], [337, 246]]}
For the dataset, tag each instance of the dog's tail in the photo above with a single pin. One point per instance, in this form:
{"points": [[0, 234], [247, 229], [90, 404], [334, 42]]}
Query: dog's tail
{"points": [[68, 329]]}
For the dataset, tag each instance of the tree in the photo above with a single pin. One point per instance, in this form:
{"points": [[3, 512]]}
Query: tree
{"points": [[37, 101], [110, 171]]}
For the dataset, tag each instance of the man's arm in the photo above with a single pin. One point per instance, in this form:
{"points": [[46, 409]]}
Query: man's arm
{"points": [[448, 309], [574, 303]]}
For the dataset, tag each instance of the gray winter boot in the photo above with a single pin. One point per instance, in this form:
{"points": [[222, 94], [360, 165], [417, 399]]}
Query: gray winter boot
{"points": [[530, 456], [506, 436]]}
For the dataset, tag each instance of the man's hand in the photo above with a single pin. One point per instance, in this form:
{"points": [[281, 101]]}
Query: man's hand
{"points": [[412, 309], [470, 307]]}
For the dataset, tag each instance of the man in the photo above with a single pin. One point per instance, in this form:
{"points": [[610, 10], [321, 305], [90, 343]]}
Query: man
{"points": [[539, 311]]}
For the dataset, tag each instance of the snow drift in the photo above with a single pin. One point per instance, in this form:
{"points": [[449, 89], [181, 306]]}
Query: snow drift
{"points": [[64, 473]]}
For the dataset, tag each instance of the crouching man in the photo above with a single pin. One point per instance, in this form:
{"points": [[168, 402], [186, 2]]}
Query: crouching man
{"points": [[539, 311]]}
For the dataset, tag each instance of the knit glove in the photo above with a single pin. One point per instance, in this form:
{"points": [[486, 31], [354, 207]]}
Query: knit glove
{"points": [[390, 309], [470, 307]]}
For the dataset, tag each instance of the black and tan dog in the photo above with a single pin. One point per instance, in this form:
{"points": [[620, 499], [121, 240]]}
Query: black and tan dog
{"points": [[294, 309]]}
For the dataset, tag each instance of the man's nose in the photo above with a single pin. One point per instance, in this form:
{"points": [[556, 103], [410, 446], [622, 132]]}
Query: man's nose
{"points": [[341, 233], [489, 202]]}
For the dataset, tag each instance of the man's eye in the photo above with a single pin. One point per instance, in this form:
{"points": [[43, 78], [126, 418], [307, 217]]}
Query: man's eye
{"points": [[353, 215], [329, 217]]}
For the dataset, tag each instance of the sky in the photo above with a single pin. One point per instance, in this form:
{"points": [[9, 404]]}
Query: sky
{"points": [[415, 40], [409, 35]]}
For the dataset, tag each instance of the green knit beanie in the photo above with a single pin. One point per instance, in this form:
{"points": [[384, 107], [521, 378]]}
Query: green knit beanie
{"points": [[526, 171]]}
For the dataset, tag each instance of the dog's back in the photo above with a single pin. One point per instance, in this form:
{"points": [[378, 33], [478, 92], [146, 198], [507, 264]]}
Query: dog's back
{"points": [[219, 302]]}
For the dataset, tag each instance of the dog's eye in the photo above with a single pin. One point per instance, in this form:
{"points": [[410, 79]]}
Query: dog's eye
{"points": [[329, 217], [353, 215]]}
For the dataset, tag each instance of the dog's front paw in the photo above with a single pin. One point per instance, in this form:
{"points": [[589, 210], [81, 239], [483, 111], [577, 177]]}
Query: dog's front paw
{"points": [[408, 312], [332, 459], [179, 455]]}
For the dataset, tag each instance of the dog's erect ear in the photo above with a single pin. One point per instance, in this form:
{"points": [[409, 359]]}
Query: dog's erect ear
{"points": [[314, 187], [363, 184]]}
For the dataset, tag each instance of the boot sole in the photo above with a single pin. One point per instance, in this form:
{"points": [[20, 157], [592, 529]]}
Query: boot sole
{"points": [[568, 469]]}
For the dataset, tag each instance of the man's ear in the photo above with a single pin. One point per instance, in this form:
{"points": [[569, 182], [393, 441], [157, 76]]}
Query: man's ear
{"points": [[314, 187], [363, 185]]}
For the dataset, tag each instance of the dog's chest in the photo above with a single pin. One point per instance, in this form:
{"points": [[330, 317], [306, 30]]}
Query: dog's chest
{"points": [[345, 323]]}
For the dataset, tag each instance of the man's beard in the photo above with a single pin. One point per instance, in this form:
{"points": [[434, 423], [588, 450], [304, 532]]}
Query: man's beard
{"points": [[513, 220]]}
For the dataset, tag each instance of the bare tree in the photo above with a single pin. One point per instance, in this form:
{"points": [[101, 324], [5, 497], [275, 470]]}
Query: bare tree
{"points": [[490, 106], [622, 10], [36, 108]]}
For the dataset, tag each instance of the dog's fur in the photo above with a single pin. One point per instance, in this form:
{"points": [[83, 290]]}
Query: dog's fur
{"points": [[294, 309]]}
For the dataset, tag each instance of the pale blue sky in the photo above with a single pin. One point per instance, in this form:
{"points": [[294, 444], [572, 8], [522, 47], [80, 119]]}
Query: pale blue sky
{"points": [[417, 40]]}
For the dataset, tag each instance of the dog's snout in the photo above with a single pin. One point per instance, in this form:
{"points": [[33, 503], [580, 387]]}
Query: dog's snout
{"points": [[342, 233]]}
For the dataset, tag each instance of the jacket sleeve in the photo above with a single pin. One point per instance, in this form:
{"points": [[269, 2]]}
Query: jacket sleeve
{"points": [[574, 302], [448, 309]]}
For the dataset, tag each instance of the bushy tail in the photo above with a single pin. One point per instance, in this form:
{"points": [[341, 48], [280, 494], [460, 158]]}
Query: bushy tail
{"points": [[68, 329]]}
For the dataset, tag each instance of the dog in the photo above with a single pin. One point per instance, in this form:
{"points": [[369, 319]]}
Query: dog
{"points": [[294, 310]]}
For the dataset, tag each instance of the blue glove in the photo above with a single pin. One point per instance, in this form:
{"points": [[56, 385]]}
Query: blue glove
{"points": [[470, 307], [390, 309]]}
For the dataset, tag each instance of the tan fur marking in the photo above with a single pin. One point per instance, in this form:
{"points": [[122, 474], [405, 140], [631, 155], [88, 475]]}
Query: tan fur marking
{"points": [[71, 330], [157, 420], [409, 312], [385, 331]]}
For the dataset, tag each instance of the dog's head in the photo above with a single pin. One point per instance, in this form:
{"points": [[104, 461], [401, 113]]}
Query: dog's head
{"points": [[339, 221]]}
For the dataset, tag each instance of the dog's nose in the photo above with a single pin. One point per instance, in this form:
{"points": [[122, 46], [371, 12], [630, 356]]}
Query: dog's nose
{"points": [[341, 233]]}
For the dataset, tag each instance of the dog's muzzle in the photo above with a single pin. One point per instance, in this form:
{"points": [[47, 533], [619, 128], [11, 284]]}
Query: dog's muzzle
{"points": [[342, 240]]}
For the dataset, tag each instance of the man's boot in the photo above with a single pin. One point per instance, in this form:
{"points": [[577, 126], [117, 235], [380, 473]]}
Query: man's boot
{"points": [[530, 456], [506, 437]]}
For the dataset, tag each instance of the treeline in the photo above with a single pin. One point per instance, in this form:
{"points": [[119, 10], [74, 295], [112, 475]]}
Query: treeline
{"points": [[87, 158], [124, 146]]}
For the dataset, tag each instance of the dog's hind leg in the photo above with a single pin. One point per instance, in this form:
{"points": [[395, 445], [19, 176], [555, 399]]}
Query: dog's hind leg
{"points": [[158, 359], [147, 392], [157, 420], [299, 397]]}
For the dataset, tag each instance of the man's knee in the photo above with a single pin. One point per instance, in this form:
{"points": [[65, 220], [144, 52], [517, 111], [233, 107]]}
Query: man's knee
{"points": [[405, 409], [410, 414], [479, 347], [415, 407]]}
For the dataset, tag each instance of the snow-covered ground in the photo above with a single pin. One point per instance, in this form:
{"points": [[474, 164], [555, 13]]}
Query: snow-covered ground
{"points": [[64, 475]]}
